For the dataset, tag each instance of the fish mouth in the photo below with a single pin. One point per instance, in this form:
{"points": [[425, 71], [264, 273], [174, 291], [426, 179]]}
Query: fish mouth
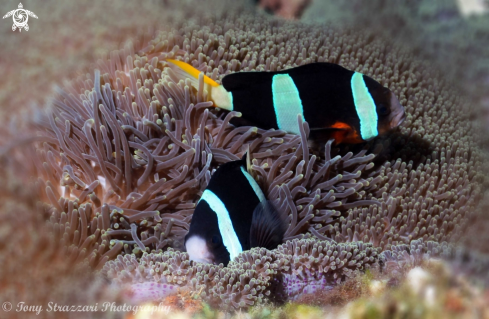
{"points": [[398, 115], [398, 119]]}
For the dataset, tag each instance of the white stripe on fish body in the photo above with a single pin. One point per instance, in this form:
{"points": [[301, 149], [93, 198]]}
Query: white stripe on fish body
{"points": [[254, 185], [228, 234], [365, 107], [287, 103]]}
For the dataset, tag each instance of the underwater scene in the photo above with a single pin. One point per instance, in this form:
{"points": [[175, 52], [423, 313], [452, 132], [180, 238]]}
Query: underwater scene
{"points": [[244, 159]]}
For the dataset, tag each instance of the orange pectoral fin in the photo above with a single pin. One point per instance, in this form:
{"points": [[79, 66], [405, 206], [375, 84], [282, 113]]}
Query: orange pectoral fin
{"points": [[340, 131], [339, 136], [346, 134], [341, 126]]}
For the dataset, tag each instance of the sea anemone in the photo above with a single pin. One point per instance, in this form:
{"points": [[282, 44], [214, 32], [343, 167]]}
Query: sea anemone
{"points": [[127, 150], [297, 267], [36, 271], [317, 266]]}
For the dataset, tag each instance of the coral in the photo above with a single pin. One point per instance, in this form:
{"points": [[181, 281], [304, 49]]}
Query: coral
{"points": [[187, 301], [430, 291], [350, 290]]}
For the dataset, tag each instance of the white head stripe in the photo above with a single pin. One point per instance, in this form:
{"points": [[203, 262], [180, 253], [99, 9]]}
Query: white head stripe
{"points": [[221, 97], [254, 185], [365, 106], [229, 237], [287, 103]]}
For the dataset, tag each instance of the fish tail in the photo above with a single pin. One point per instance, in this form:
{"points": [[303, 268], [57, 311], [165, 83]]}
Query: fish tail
{"points": [[183, 69], [218, 95]]}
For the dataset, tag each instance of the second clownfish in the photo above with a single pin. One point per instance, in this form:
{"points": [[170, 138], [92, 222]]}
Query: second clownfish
{"points": [[337, 103], [233, 215]]}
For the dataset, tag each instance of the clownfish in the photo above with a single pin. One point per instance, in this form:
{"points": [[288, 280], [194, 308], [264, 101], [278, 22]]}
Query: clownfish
{"points": [[231, 216], [336, 102]]}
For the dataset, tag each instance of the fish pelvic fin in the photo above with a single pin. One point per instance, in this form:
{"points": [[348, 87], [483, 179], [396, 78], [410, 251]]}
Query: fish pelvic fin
{"points": [[217, 93], [341, 132], [268, 226]]}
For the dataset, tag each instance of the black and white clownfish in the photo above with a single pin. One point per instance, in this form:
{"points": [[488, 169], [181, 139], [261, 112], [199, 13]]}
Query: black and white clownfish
{"points": [[342, 104], [232, 215]]}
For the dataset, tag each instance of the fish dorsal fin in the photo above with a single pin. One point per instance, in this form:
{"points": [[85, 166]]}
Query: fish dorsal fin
{"points": [[268, 226]]}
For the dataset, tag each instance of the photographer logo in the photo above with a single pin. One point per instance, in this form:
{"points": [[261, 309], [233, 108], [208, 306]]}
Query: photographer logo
{"points": [[20, 17]]}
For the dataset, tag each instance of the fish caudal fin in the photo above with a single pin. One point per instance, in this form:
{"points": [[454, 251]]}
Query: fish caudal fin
{"points": [[268, 226], [216, 92], [186, 70]]}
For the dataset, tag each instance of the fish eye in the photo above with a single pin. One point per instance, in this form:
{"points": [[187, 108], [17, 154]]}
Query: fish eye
{"points": [[383, 110], [216, 240]]}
